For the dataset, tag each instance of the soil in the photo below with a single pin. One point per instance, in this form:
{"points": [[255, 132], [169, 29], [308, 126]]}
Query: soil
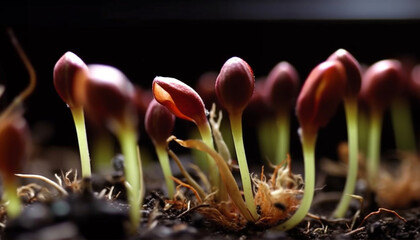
{"points": [[82, 215]]}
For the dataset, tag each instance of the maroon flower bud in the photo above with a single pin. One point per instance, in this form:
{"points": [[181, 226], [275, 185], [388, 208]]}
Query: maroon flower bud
{"points": [[353, 71], [109, 95], [14, 146], [159, 122], [65, 78], [205, 88], [415, 81], [282, 86], [382, 83], [183, 101], [320, 95], [235, 85]]}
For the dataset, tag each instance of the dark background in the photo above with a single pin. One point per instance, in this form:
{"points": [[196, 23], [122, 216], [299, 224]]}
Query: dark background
{"points": [[183, 39]]}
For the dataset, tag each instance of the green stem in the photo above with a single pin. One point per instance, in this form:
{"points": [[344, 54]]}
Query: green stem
{"points": [[236, 127], [350, 106], [267, 139], [207, 137], [403, 125], [166, 168], [14, 207], [128, 139], [283, 143], [363, 129], [374, 147], [79, 122], [308, 145]]}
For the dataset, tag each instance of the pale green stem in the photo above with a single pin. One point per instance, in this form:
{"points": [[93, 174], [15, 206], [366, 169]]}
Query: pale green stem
{"points": [[103, 151], [236, 127], [350, 106], [308, 145], [283, 142], [166, 168], [14, 207], [267, 139], [128, 140], [79, 123], [363, 130], [403, 125], [207, 137], [374, 147]]}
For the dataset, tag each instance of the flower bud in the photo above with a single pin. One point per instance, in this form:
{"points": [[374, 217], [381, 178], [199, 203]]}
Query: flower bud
{"points": [[183, 101], [65, 78], [382, 83], [320, 95], [353, 71], [159, 122], [235, 85], [109, 95], [14, 146], [282, 86]]}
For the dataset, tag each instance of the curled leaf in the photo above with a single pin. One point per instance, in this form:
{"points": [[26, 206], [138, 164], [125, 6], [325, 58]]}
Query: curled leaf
{"points": [[225, 173]]}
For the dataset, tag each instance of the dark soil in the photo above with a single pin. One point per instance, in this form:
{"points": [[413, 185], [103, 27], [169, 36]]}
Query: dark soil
{"points": [[81, 215]]}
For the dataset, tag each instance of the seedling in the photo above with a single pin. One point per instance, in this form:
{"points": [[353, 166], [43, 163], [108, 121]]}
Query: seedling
{"points": [[108, 98], [65, 82], [14, 137], [317, 103], [184, 102], [281, 89], [354, 80], [159, 124], [380, 85], [14, 148], [234, 88], [401, 116]]}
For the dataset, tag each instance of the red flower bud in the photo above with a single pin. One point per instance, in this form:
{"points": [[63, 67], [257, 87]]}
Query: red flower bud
{"points": [[353, 71], [183, 101], [320, 95], [65, 78], [205, 88], [14, 146], [159, 122], [282, 86], [235, 85], [109, 95], [382, 83]]}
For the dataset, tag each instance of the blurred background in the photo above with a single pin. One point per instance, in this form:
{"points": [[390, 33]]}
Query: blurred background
{"points": [[184, 39]]}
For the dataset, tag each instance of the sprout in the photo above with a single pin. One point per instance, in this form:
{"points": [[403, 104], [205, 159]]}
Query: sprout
{"points": [[317, 103], [65, 83], [401, 112], [234, 89], [282, 88], [184, 102], [354, 80], [159, 124], [14, 149], [109, 101], [380, 86]]}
